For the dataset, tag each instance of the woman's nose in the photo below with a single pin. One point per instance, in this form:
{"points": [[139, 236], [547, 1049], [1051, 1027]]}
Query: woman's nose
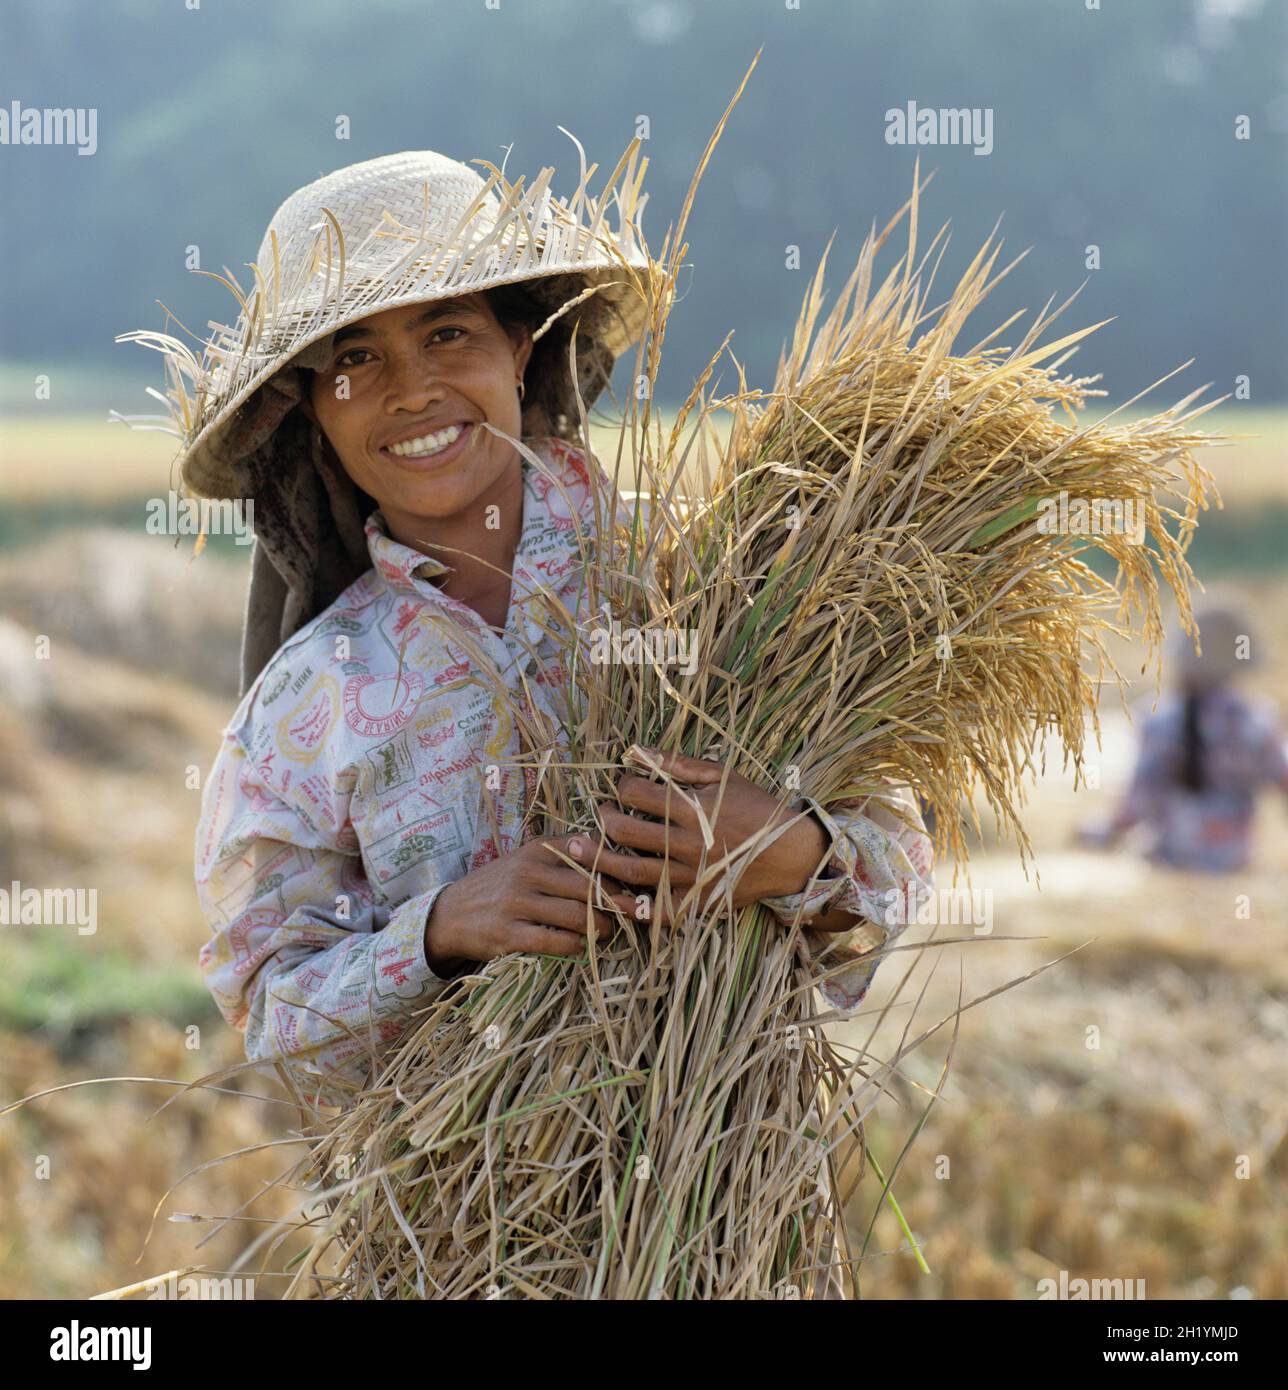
{"points": [[412, 382]]}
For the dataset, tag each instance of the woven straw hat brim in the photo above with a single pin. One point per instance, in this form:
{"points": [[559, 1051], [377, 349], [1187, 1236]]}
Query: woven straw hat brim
{"points": [[206, 469], [396, 231]]}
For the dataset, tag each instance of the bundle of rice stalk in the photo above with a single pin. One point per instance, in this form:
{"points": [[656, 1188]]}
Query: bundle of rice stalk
{"points": [[882, 593]]}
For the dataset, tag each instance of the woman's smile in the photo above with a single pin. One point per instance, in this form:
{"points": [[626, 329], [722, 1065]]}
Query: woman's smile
{"points": [[431, 449]]}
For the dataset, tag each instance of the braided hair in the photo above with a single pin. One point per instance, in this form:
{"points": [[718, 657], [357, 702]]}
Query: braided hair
{"points": [[1192, 774]]}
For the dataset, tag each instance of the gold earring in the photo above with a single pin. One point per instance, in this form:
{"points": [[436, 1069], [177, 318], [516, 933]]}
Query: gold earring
{"points": [[522, 385]]}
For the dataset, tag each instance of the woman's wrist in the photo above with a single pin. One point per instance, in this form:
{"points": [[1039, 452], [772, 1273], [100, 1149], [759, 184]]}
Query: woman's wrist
{"points": [[440, 952], [803, 846]]}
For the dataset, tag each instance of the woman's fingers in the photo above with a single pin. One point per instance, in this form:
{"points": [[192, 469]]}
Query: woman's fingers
{"points": [[635, 871], [569, 915], [546, 941], [600, 890], [655, 799], [673, 841], [696, 771]]}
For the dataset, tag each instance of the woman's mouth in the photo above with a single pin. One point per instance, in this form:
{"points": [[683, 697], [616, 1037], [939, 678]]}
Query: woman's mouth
{"points": [[435, 447]]}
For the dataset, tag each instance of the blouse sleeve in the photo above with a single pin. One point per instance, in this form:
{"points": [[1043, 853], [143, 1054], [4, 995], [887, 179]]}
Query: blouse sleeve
{"points": [[302, 958], [881, 857]]}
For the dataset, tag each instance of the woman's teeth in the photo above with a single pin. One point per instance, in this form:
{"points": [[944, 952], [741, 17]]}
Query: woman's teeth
{"points": [[427, 444]]}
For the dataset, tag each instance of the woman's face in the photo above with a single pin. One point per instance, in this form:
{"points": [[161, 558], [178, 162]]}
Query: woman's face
{"points": [[401, 400]]}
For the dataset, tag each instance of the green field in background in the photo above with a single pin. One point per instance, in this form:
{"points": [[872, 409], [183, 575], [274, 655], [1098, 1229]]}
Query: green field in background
{"points": [[59, 471]]}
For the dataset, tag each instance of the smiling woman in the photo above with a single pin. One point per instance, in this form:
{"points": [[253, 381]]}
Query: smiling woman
{"points": [[411, 404], [404, 393], [368, 829], [399, 406]]}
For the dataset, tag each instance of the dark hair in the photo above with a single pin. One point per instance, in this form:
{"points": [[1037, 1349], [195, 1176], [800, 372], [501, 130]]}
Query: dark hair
{"points": [[1192, 774], [549, 406]]}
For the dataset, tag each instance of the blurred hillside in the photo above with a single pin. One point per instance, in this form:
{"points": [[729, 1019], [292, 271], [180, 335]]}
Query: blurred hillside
{"points": [[1112, 127]]}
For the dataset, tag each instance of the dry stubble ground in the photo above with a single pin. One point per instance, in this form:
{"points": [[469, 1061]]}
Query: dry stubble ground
{"points": [[1121, 1159]]}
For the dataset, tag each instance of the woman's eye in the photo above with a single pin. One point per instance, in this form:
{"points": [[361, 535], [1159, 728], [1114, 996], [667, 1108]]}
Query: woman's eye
{"points": [[345, 358]]}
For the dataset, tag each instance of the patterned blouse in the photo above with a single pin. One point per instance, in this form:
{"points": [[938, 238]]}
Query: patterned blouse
{"points": [[1209, 830], [348, 792]]}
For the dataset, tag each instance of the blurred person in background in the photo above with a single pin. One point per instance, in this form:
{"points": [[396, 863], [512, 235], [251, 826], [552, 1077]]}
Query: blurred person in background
{"points": [[1205, 754]]}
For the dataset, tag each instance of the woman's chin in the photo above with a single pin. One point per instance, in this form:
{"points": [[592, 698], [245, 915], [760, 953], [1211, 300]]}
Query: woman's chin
{"points": [[440, 499]]}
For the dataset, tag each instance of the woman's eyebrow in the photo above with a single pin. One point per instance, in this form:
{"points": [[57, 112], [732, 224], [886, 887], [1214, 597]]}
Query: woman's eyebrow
{"points": [[434, 311]]}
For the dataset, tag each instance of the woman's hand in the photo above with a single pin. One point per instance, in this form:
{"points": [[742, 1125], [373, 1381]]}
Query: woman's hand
{"points": [[528, 900], [669, 833]]}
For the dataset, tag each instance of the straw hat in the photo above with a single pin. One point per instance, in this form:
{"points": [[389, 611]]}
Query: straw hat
{"points": [[402, 229]]}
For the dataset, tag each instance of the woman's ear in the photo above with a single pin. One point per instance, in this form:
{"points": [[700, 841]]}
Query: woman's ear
{"points": [[521, 336]]}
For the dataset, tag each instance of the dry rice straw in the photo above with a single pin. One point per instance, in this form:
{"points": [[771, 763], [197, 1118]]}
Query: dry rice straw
{"points": [[876, 603]]}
